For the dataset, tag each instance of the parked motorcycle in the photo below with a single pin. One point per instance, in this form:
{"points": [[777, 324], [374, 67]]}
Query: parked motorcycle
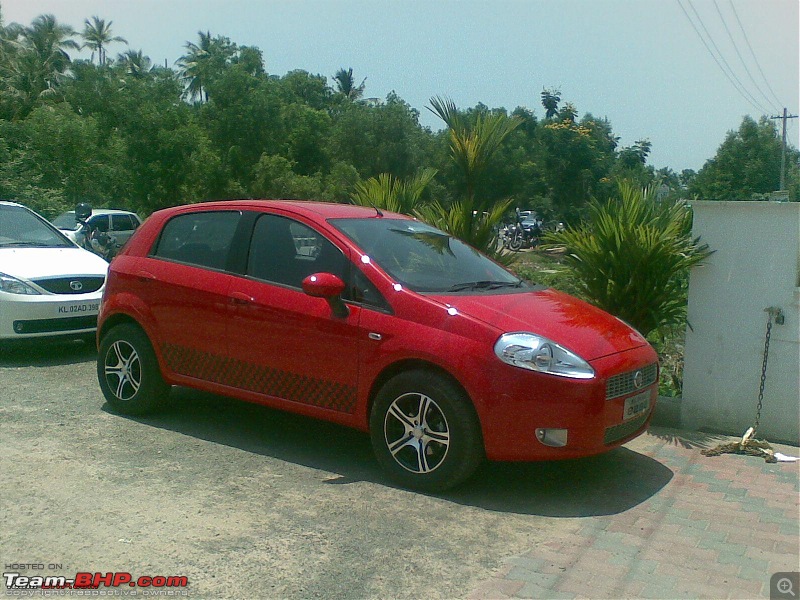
{"points": [[523, 234]]}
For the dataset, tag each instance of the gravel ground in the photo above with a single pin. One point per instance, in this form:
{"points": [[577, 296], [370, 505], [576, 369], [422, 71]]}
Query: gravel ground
{"points": [[250, 502]]}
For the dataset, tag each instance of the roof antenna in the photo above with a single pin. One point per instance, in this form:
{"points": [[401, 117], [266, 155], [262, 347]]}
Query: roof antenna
{"points": [[377, 210]]}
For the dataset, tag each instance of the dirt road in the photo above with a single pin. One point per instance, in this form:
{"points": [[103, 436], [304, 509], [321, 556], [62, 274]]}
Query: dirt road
{"points": [[249, 502]]}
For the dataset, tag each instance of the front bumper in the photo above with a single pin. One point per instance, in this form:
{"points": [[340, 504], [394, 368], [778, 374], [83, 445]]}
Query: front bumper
{"points": [[592, 412], [48, 315]]}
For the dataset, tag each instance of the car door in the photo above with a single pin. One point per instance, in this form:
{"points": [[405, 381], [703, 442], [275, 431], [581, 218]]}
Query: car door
{"points": [[122, 227], [185, 285], [284, 343]]}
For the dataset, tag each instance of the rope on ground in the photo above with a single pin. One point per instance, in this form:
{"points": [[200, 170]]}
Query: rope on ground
{"points": [[747, 445], [750, 446]]}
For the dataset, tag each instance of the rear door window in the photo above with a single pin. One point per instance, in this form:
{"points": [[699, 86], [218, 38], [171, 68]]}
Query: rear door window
{"points": [[122, 223], [203, 238]]}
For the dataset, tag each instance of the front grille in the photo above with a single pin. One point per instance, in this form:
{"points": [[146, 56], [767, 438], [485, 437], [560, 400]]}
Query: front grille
{"points": [[55, 325], [67, 285], [622, 384], [623, 430]]}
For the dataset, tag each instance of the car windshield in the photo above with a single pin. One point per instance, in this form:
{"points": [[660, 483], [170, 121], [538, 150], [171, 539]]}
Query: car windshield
{"points": [[423, 258], [66, 221], [21, 228]]}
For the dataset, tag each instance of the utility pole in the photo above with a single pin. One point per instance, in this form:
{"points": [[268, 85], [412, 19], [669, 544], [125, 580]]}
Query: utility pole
{"points": [[783, 148]]}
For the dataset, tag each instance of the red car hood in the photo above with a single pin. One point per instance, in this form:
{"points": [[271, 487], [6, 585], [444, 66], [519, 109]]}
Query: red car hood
{"points": [[580, 327]]}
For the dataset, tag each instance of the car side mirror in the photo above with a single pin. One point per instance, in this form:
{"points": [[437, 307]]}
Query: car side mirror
{"points": [[329, 287]]}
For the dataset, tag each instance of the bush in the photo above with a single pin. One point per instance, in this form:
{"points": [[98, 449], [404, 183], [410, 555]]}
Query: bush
{"points": [[632, 257]]}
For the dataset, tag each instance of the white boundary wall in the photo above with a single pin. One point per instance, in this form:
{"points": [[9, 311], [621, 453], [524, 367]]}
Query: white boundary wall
{"points": [[756, 265]]}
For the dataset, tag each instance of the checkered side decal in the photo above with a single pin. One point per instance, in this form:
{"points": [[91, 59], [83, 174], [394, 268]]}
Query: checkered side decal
{"points": [[255, 378]]}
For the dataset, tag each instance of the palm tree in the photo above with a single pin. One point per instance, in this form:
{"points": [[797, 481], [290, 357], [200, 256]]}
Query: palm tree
{"points": [[632, 257], [193, 66], [472, 145], [134, 62], [346, 85], [33, 61], [50, 41], [392, 193], [97, 35]]}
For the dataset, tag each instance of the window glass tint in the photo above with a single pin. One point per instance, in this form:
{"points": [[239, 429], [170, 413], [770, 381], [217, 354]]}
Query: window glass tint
{"points": [[122, 223], [202, 238], [285, 251], [66, 221], [423, 258], [364, 292], [100, 222]]}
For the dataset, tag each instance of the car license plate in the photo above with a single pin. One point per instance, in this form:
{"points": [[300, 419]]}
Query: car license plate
{"points": [[635, 405], [86, 308]]}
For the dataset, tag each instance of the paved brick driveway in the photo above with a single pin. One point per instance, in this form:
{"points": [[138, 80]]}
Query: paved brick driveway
{"points": [[717, 529]]}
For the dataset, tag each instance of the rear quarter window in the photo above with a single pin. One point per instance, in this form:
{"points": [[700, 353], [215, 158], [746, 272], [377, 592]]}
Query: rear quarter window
{"points": [[203, 238]]}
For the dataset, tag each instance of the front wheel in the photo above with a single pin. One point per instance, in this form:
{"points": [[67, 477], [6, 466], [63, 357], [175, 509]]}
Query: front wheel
{"points": [[516, 243], [424, 431], [128, 371]]}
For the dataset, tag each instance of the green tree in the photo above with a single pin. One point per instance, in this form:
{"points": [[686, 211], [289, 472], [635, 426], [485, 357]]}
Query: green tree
{"points": [[472, 144], [203, 62], [393, 194], [133, 62], [346, 85], [275, 178], [385, 138], [747, 164], [550, 100], [632, 257], [36, 61], [97, 36], [59, 153], [575, 157]]}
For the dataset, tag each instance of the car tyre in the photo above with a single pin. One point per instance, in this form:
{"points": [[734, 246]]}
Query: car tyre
{"points": [[424, 431], [128, 371]]}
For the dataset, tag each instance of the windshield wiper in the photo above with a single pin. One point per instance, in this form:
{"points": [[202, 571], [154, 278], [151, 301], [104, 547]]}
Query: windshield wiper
{"points": [[19, 244], [483, 285]]}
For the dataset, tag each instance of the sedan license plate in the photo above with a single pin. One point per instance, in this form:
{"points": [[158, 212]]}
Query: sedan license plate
{"points": [[636, 405], [86, 308]]}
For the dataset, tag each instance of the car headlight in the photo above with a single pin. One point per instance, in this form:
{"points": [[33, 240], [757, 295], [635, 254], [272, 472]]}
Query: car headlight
{"points": [[537, 353], [13, 285]]}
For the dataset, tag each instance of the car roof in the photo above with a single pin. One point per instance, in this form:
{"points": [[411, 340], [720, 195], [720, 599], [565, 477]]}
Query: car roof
{"points": [[106, 211], [307, 208], [9, 203]]}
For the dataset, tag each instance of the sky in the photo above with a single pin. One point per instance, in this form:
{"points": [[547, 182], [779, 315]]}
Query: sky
{"points": [[639, 63]]}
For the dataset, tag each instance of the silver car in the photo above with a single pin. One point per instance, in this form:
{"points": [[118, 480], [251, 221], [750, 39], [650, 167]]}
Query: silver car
{"points": [[119, 223]]}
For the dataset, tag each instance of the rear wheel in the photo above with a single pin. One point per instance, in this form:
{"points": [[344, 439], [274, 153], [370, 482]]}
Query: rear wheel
{"points": [[128, 371], [424, 431]]}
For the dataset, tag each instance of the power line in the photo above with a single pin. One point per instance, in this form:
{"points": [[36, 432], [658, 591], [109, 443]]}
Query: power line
{"points": [[753, 54], [739, 54], [725, 69]]}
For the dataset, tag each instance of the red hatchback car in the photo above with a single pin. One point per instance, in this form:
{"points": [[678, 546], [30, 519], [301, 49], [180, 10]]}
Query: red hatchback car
{"points": [[373, 320]]}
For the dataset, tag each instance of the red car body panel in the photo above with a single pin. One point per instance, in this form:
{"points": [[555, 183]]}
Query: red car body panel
{"points": [[226, 333]]}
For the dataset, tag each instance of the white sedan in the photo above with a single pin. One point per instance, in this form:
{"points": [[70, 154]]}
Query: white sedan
{"points": [[48, 285]]}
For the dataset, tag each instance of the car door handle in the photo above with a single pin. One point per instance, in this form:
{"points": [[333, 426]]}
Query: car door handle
{"points": [[241, 298], [145, 277]]}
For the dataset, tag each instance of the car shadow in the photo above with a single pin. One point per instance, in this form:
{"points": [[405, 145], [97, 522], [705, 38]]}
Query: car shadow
{"points": [[600, 485], [46, 353]]}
